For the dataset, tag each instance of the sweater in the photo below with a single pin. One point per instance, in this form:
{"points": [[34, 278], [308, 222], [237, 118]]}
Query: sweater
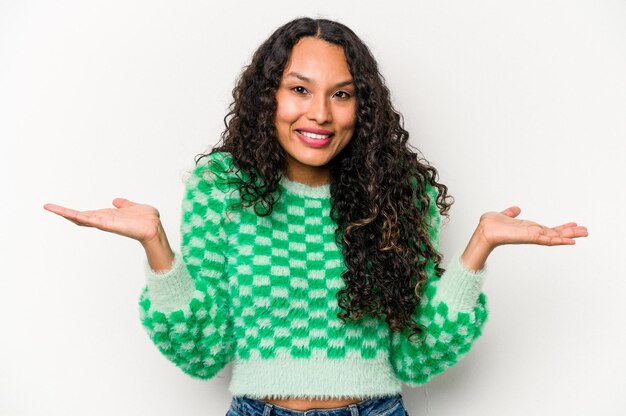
{"points": [[261, 292]]}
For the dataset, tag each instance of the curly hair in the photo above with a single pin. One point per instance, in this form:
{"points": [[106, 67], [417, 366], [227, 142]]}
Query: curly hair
{"points": [[378, 181]]}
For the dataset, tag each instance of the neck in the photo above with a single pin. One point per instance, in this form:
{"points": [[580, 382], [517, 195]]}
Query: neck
{"points": [[309, 175]]}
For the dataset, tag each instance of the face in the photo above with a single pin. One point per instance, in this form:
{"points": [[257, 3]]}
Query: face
{"points": [[316, 109]]}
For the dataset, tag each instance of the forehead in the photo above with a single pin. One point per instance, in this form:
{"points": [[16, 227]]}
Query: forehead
{"points": [[317, 58]]}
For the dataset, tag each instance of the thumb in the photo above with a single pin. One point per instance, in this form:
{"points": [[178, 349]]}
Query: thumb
{"points": [[122, 203], [512, 212]]}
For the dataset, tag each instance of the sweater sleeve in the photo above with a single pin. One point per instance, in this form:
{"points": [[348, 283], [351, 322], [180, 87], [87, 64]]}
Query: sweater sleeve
{"points": [[452, 310], [186, 310]]}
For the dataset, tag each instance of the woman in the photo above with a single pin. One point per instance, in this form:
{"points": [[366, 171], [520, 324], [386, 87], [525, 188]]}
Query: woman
{"points": [[310, 242]]}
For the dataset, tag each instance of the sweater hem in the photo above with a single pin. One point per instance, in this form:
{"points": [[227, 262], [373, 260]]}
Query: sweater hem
{"points": [[320, 379]]}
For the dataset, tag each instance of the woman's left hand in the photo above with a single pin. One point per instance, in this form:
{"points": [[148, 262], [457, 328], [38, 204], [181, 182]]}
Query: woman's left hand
{"points": [[500, 228]]}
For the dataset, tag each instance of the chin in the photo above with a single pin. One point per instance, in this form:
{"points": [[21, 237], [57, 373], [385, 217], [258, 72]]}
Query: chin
{"points": [[315, 161]]}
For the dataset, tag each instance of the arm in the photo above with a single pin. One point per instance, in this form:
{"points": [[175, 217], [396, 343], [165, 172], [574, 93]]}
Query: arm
{"points": [[453, 312], [452, 309], [185, 307]]}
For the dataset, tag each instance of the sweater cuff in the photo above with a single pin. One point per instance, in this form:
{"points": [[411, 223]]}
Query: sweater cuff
{"points": [[172, 289], [460, 287]]}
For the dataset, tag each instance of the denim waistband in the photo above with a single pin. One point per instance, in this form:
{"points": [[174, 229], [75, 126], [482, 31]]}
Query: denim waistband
{"points": [[253, 407]]}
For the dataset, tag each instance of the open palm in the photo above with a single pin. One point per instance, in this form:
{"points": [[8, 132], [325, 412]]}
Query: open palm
{"points": [[137, 221], [499, 228]]}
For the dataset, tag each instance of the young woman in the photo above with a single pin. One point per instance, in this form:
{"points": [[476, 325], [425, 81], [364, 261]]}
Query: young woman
{"points": [[309, 250]]}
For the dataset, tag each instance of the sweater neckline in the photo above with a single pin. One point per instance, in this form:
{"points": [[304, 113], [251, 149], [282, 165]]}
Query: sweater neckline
{"points": [[302, 189]]}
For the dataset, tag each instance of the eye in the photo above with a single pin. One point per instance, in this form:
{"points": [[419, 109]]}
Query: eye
{"points": [[299, 90], [342, 95]]}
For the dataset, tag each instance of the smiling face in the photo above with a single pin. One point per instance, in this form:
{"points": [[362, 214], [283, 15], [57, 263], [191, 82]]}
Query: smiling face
{"points": [[316, 109]]}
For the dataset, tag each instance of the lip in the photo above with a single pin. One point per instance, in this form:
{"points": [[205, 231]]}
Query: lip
{"points": [[316, 143], [316, 131]]}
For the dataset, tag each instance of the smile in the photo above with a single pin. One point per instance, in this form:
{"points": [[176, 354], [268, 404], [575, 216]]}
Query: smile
{"points": [[315, 140], [314, 136]]}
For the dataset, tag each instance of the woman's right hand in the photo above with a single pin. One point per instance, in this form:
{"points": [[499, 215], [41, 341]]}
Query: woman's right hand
{"points": [[137, 221]]}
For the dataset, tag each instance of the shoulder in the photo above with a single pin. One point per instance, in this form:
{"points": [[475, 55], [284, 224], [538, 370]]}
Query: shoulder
{"points": [[215, 176], [215, 164], [214, 169]]}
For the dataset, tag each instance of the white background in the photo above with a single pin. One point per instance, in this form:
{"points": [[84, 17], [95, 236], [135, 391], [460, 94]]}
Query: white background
{"points": [[514, 102]]}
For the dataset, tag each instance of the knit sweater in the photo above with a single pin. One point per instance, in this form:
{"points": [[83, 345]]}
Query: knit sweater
{"points": [[261, 292]]}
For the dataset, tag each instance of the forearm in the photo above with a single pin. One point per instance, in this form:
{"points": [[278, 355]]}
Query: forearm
{"points": [[159, 253], [454, 313], [475, 254], [197, 335]]}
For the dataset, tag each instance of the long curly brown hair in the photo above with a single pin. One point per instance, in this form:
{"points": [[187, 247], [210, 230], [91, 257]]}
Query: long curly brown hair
{"points": [[378, 182]]}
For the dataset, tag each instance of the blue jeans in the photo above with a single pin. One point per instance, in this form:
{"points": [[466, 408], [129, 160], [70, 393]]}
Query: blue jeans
{"points": [[380, 406]]}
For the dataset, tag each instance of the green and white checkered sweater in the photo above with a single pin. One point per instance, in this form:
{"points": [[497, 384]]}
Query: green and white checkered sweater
{"points": [[262, 292]]}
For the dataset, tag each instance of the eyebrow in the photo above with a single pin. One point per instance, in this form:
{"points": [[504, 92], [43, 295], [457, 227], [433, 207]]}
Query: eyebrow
{"points": [[305, 79]]}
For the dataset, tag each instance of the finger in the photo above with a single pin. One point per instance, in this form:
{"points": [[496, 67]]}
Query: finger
{"points": [[62, 211], [122, 203], [52, 207], [512, 212], [56, 210], [581, 231], [564, 236], [82, 218], [547, 240], [573, 232], [49, 207], [563, 226]]}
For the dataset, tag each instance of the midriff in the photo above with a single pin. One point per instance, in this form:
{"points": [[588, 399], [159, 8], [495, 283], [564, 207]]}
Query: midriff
{"points": [[308, 404]]}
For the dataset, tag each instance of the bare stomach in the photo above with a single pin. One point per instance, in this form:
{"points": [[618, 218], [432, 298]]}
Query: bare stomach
{"points": [[308, 404]]}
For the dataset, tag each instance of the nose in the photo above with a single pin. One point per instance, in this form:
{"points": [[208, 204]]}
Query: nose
{"points": [[319, 110]]}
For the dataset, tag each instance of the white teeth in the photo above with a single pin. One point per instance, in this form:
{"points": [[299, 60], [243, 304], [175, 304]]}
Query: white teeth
{"points": [[314, 136]]}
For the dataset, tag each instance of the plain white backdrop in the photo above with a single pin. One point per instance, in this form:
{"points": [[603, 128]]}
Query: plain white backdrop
{"points": [[514, 102]]}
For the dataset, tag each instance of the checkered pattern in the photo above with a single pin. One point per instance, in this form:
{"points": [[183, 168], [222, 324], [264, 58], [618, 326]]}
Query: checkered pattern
{"points": [[265, 290], [447, 340], [285, 271]]}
